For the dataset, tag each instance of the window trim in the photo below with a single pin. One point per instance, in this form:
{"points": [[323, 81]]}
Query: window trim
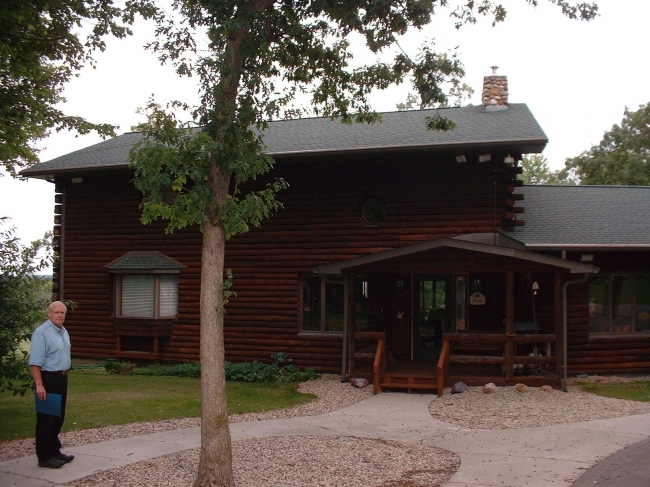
{"points": [[156, 296], [323, 304]]}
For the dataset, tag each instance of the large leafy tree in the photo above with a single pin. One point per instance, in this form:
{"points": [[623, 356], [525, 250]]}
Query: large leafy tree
{"points": [[622, 157], [537, 171], [42, 45], [258, 60], [23, 302]]}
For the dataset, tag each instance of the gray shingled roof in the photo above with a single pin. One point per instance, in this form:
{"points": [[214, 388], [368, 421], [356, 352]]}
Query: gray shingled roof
{"points": [[150, 261], [585, 217], [514, 130]]}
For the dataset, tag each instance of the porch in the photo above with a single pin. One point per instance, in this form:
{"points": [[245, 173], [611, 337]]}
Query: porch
{"points": [[463, 357], [478, 308]]}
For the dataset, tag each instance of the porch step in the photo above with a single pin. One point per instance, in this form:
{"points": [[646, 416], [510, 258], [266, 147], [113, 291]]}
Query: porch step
{"points": [[365, 355], [400, 382]]}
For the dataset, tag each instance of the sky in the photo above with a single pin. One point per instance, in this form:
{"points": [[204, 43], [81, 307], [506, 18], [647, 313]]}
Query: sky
{"points": [[576, 77]]}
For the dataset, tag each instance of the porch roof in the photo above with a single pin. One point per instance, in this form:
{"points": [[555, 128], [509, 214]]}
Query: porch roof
{"points": [[487, 243]]}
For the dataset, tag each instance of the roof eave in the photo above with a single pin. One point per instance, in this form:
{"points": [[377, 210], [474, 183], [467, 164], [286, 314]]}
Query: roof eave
{"points": [[463, 243]]}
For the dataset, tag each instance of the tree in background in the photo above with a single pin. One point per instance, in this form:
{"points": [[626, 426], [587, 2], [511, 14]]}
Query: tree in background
{"points": [[537, 171], [24, 298], [622, 157], [41, 48], [256, 61]]}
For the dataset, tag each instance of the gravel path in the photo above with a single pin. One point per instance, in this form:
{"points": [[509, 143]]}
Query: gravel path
{"points": [[346, 461]]}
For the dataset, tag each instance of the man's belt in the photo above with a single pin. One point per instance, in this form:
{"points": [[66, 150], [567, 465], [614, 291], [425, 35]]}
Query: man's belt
{"points": [[60, 372]]}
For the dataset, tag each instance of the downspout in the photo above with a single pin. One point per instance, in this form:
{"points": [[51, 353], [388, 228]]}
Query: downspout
{"points": [[344, 358], [565, 325]]}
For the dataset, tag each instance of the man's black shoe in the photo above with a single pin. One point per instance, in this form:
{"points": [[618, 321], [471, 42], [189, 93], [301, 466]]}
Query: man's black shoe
{"points": [[63, 457], [52, 463]]}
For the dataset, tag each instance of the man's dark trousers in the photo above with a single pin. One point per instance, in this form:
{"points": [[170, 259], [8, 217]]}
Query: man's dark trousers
{"points": [[48, 427]]}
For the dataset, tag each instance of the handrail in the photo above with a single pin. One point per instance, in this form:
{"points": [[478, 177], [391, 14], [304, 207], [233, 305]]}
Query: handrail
{"points": [[378, 366], [443, 363]]}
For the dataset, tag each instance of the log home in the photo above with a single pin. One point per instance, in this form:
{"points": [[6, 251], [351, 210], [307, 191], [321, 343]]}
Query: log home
{"points": [[409, 256]]}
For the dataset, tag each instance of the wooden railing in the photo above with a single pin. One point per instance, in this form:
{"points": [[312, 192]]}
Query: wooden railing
{"points": [[443, 365], [507, 358], [370, 353], [379, 366]]}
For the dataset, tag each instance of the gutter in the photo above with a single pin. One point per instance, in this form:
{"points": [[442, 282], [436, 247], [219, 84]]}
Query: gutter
{"points": [[565, 323], [587, 246]]}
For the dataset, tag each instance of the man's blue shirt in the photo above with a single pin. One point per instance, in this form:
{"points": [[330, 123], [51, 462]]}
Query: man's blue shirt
{"points": [[50, 348]]}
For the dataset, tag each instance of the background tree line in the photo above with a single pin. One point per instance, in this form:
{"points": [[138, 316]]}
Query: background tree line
{"points": [[621, 158]]}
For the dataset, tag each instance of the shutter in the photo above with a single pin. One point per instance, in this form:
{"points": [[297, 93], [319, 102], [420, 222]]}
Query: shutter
{"points": [[168, 296], [138, 296]]}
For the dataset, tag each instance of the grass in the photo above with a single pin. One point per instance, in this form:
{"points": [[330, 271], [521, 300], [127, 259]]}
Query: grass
{"points": [[634, 391], [97, 399]]}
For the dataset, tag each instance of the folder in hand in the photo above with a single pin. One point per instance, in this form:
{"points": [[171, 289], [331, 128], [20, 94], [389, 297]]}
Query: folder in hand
{"points": [[50, 405]]}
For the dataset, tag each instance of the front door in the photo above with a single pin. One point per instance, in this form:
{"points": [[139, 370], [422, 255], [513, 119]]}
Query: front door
{"points": [[398, 330], [431, 315]]}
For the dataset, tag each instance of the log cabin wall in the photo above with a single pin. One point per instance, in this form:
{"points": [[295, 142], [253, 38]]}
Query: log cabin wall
{"points": [[320, 223], [605, 353]]}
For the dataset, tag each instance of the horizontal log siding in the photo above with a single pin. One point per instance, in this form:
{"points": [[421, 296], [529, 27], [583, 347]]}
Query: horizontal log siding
{"points": [[320, 223]]}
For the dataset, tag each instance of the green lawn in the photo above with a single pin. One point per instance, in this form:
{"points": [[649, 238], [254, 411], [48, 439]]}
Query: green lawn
{"points": [[634, 391], [96, 399]]}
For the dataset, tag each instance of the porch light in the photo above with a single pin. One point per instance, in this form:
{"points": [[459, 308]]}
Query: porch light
{"points": [[484, 157], [477, 285], [460, 158], [509, 160], [535, 287]]}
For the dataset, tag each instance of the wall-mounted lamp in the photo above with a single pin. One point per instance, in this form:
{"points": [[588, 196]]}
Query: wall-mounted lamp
{"points": [[77, 180], [477, 285], [484, 157], [587, 258], [509, 160], [535, 287], [460, 158]]}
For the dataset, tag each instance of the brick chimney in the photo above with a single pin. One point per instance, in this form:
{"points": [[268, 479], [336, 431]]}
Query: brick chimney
{"points": [[495, 91]]}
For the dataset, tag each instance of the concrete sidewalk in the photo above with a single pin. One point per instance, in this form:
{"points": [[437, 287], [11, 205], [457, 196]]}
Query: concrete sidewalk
{"points": [[550, 456]]}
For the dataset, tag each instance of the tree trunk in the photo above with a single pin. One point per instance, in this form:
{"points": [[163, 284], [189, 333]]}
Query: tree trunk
{"points": [[215, 467]]}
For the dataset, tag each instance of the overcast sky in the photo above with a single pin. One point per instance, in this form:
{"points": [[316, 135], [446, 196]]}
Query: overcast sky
{"points": [[576, 77]]}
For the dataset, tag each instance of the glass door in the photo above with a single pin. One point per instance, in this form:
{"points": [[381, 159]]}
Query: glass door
{"points": [[432, 316]]}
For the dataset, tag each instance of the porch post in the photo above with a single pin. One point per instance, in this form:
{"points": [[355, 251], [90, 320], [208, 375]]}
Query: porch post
{"points": [[510, 323], [352, 325], [558, 319]]}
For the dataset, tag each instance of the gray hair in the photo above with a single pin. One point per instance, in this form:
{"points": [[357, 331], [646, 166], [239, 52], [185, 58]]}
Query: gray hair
{"points": [[56, 304]]}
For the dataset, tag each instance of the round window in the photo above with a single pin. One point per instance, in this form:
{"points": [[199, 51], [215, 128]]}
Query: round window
{"points": [[373, 211]]}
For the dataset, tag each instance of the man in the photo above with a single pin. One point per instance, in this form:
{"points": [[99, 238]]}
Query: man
{"points": [[49, 360]]}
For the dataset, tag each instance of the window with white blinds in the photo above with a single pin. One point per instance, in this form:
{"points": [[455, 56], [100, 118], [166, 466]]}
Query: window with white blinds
{"points": [[148, 296], [168, 295]]}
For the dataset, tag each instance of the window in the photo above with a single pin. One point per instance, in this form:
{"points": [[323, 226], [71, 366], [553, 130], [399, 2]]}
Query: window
{"points": [[147, 296], [146, 285], [619, 303], [323, 303], [373, 211]]}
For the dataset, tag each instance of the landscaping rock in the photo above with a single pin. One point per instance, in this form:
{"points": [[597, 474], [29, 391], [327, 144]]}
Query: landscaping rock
{"points": [[458, 387], [360, 383], [521, 387], [489, 388], [546, 389]]}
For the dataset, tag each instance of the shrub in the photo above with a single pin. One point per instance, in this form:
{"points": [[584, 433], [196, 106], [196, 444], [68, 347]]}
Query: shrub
{"points": [[113, 366], [281, 370]]}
